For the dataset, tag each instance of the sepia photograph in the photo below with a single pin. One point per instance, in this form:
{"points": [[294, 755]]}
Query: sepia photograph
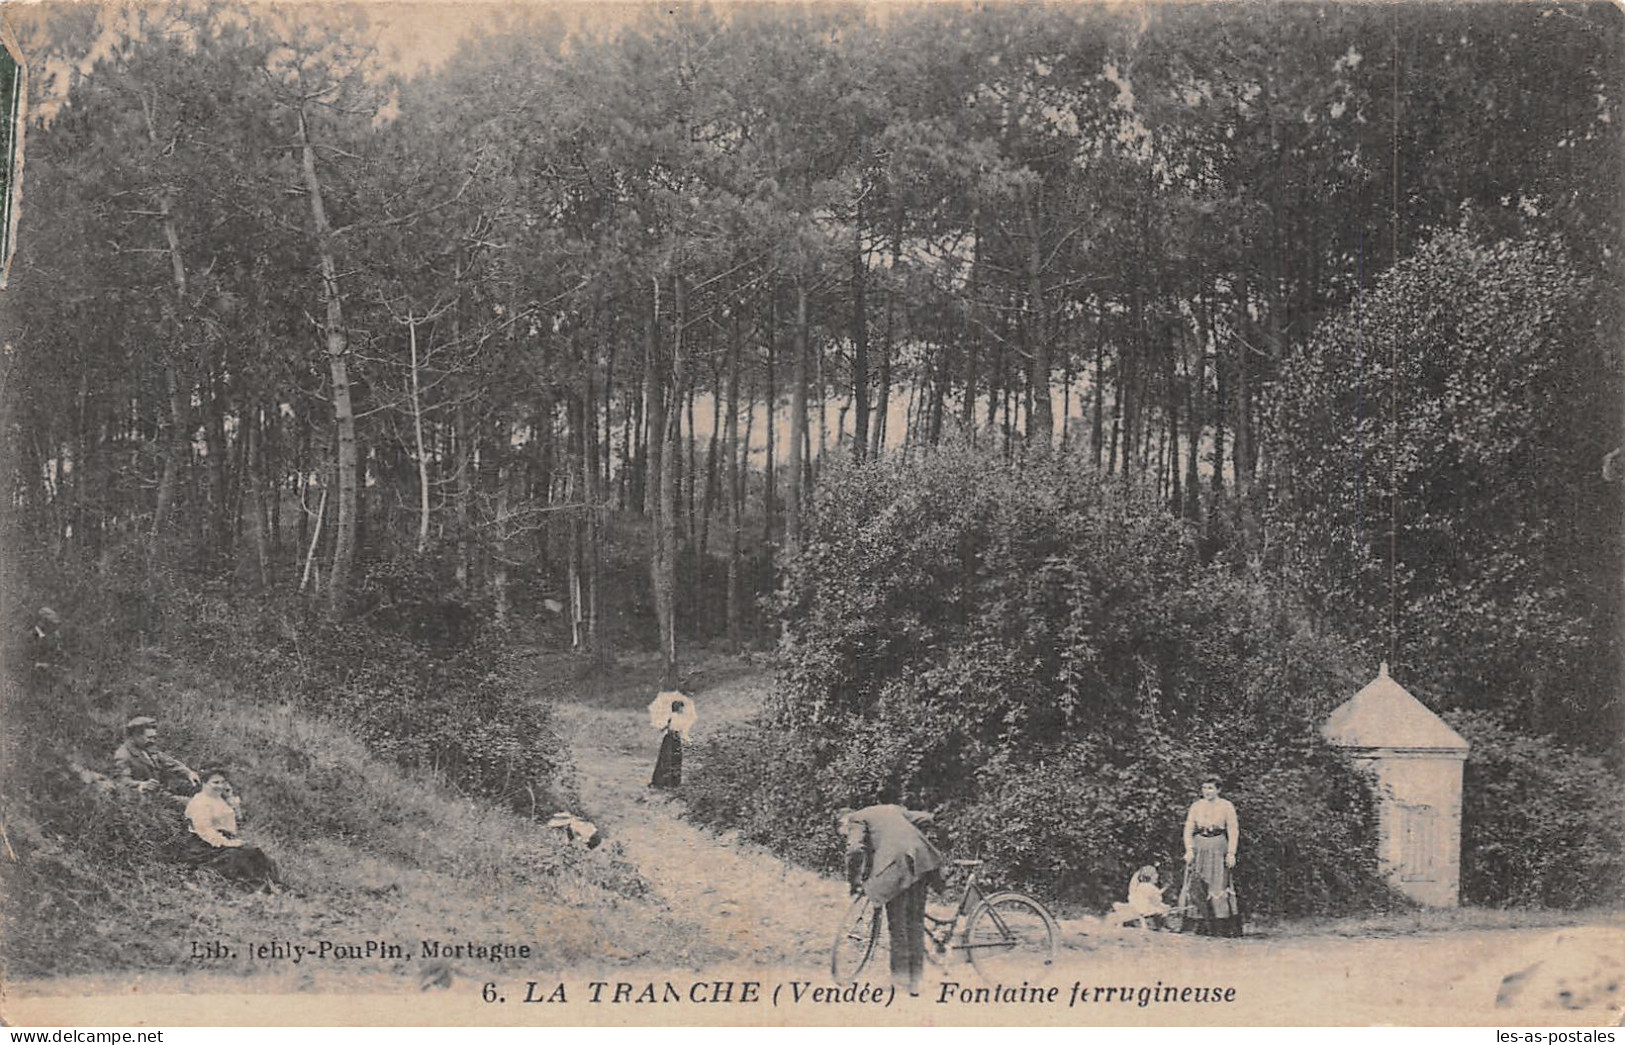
{"points": [[812, 514]]}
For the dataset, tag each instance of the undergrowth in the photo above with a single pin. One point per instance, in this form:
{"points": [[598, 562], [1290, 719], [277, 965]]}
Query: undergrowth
{"points": [[369, 848]]}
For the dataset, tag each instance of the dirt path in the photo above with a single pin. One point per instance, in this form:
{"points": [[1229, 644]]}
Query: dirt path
{"points": [[758, 912], [756, 907]]}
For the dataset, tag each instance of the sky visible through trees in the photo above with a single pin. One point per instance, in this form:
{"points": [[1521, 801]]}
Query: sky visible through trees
{"points": [[577, 307]]}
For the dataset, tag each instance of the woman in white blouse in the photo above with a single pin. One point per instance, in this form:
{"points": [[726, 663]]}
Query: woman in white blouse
{"points": [[214, 843], [1211, 835], [674, 713]]}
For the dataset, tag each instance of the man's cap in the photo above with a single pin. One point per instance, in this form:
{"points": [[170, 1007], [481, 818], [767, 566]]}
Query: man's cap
{"points": [[141, 722]]}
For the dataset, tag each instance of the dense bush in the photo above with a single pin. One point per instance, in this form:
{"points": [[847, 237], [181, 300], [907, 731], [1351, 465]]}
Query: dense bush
{"points": [[459, 715], [1041, 654], [1075, 824], [1541, 823], [774, 788], [1020, 601]]}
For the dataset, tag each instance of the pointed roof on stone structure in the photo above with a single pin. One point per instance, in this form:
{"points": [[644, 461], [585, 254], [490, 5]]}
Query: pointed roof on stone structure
{"points": [[1385, 715]]}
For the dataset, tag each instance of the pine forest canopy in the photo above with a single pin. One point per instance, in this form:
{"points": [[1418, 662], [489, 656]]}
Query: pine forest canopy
{"points": [[579, 313]]}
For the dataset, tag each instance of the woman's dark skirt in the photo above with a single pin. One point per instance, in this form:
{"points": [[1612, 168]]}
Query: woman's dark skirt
{"points": [[239, 864], [1214, 908], [669, 763]]}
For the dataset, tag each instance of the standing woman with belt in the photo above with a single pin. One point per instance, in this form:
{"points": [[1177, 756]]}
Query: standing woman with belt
{"points": [[1211, 834], [673, 713]]}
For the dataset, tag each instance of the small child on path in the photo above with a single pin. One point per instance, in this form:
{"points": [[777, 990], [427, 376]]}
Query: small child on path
{"points": [[1145, 904]]}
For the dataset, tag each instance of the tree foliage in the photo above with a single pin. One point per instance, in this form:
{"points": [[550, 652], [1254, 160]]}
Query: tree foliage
{"points": [[1441, 445]]}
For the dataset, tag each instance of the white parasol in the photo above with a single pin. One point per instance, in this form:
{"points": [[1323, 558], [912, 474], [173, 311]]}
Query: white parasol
{"points": [[680, 721]]}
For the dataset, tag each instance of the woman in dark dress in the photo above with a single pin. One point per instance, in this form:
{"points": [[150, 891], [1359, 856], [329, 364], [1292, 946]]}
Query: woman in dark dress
{"points": [[674, 714]]}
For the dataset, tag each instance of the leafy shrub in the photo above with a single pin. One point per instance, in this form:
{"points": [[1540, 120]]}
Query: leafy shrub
{"points": [[1541, 823], [770, 786], [1041, 654], [457, 714]]}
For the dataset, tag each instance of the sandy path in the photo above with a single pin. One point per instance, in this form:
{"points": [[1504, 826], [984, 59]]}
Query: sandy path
{"points": [[755, 906], [768, 915]]}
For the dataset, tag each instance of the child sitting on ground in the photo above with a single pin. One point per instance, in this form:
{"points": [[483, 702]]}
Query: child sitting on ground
{"points": [[1145, 904]]}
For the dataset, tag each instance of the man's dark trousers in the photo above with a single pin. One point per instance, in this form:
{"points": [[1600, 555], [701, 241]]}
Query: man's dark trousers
{"points": [[905, 923]]}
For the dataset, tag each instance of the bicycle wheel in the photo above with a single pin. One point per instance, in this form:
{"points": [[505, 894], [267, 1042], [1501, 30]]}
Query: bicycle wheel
{"points": [[1011, 938], [857, 941]]}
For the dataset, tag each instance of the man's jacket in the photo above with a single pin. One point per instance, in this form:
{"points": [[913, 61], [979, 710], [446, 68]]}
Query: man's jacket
{"points": [[132, 765], [887, 852]]}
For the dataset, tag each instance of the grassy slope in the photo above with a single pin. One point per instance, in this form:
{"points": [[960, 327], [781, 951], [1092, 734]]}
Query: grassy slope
{"points": [[368, 851]]}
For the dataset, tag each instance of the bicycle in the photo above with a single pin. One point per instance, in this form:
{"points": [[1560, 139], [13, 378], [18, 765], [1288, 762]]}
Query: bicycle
{"points": [[1006, 937]]}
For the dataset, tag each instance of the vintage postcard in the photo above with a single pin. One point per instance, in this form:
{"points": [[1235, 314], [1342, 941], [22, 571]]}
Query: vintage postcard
{"points": [[1079, 514]]}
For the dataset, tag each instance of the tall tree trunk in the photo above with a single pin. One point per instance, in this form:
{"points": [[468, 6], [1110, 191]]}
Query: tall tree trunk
{"points": [[253, 465], [1242, 443], [1117, 421], [499, 543], [1040, 416], [546, 408], [691, 473], [770, 493], [273, 469], [860, 339], [178, 448], [973, 335], [214, 437], [995, 389], [315, 540], [798, 422], [735, 495], [592, 536], [882, 419], [666, 522], [417, 434], [606, 367], [654, 394], [597, 362], [712, 480], [939, 394], [241, 477], [344, 527], [1196, 398], [463, 461], [304, 470], [815, 462], [581, 522], [631, 403], [1097, 432], [1171, 399]]}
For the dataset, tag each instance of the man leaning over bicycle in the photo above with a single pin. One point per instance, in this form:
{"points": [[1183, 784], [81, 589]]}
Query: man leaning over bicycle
{"points": [[893, 863]]}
